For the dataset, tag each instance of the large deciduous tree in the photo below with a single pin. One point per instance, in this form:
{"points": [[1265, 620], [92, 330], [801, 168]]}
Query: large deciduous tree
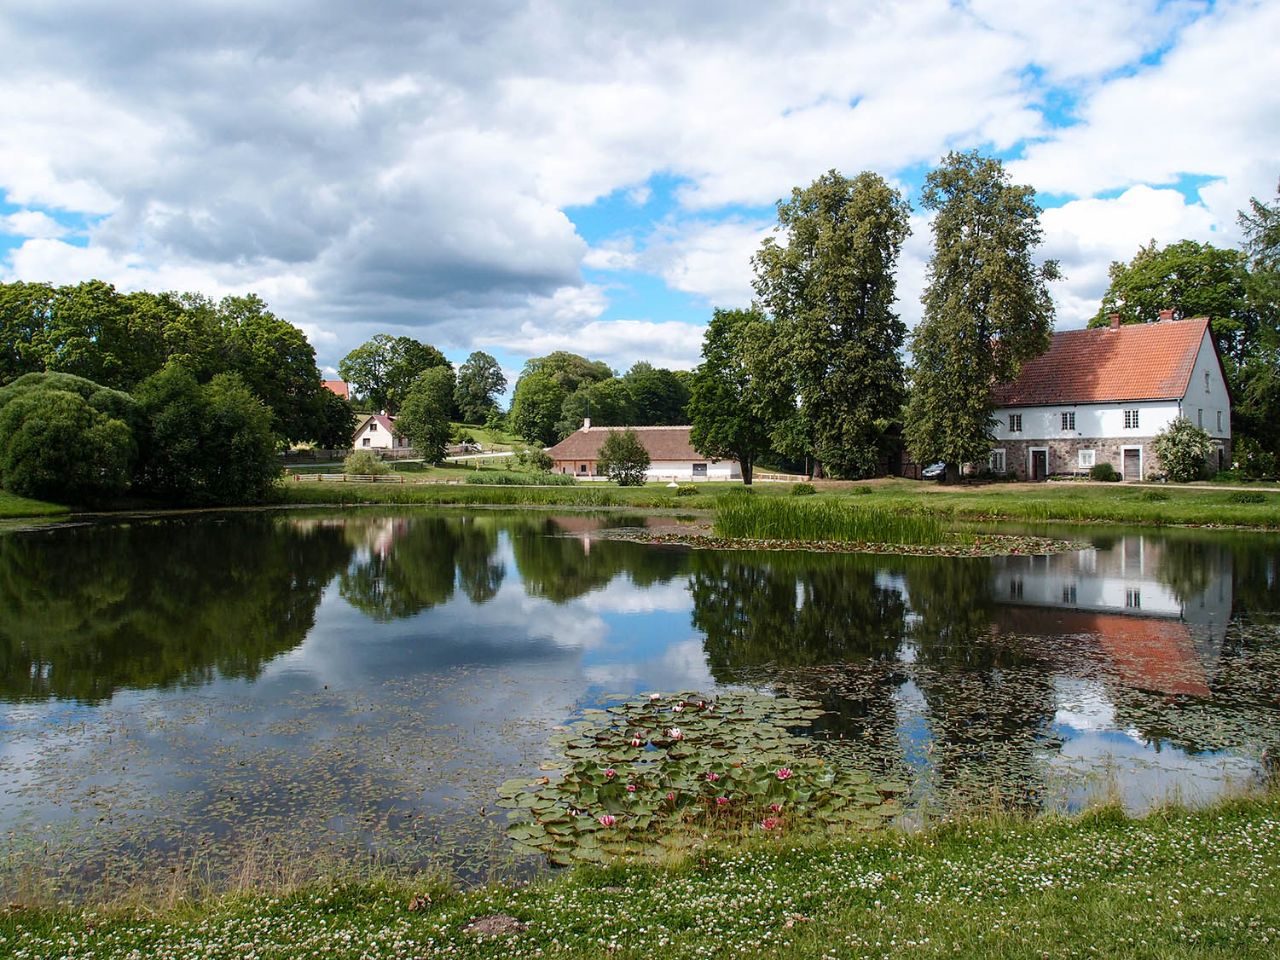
{"points": [[657, 396], [987, 308], [535, 407], [831, 289], [1257, 394], [730, 398], [424, 416], [480, 380], [384, 369]]}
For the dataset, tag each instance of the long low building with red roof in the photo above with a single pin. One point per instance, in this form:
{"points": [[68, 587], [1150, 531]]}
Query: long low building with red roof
{"points": [[1102, 395], [671, 454]]}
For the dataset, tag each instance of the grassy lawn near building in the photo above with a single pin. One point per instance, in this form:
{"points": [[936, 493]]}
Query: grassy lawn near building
{"points": [[13, 506], [1173, 885]]}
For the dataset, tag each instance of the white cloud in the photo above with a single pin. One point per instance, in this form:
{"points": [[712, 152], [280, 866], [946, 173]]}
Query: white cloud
{"points": [[32, 223], [711, 260], [619, 343]]}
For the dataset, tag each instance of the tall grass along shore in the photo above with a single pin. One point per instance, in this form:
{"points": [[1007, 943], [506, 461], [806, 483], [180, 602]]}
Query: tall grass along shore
{"points": [[1172, 885], [777, 518]]}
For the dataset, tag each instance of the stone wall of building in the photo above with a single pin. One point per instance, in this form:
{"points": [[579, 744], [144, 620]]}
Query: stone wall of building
{"points": [[1064, 455]]}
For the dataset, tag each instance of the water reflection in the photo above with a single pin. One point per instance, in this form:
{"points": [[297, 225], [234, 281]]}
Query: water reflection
{"points": [[369, 676]]}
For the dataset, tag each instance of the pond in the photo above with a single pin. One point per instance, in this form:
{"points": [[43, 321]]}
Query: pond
{"points": [[202, 689]]}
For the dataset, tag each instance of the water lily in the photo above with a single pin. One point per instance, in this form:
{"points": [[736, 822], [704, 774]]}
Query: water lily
{"points": [[675, 733], [712, 777], [722, 801], [631, 788], [775, 808], [655, 696], [671, 797], [678, 708], [610, 773], [607, 819], [637, 742], [784, 773], [769, 823]]}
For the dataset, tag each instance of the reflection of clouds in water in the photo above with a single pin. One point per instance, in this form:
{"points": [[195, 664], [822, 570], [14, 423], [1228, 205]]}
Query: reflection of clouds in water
{"points": [[681, 666], [623, 596], [1082, 705]]}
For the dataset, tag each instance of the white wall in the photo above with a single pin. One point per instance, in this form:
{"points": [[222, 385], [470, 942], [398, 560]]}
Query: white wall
{"points": [[1094, 421], [1211, 401], [379, 438], [683, 469]]}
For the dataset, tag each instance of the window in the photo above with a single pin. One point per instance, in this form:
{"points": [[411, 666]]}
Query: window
{"points": [[699, 469], [1219, 421], [582, 468], [1015, 588], [1206, 381], [1131, 419], [1015, 423], [1087, 458], [1200, 417], [1133, 599], [373, 425], [1069, 420], [996, 461], [365, 442], [1069, 593]]}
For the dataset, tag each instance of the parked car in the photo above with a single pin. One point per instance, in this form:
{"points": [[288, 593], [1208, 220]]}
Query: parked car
{"points": [[934, 471]]}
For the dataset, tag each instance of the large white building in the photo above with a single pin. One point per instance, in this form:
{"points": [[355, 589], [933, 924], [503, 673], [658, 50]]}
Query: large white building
{"points": [[671, 455], [1102, 396]]}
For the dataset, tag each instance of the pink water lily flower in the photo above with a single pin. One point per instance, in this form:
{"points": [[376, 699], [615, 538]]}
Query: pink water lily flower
{"points": [[610, 773], [637, 742], [712, 777], [607, 820], [631, 788], [675, 733], [678, 708], [722, 801], [769, 823], [784, 773], [671, 797], [655, 696], [775, 808]]}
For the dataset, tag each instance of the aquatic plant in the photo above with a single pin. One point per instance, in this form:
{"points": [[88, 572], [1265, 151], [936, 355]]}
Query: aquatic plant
{"points": [[656, 774], [835, 520]]}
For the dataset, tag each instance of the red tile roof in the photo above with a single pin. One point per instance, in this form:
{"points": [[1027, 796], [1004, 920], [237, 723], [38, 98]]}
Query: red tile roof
{"points": [[388, 423], [339, 387], [1139, 361], [663, 443]]}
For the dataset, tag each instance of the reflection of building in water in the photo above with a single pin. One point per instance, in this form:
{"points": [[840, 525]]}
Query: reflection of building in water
{"points": [[1157, 608]]}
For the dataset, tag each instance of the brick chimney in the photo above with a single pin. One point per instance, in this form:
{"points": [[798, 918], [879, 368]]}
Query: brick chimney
{"points": [[1166, 315], [1115, 320]]}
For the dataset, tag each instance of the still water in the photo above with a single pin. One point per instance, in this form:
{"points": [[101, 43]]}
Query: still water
{"points": [[185, 689]]}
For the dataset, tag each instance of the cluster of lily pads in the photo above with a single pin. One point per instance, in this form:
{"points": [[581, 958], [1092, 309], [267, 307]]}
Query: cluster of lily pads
{"points": [[662, 772]]}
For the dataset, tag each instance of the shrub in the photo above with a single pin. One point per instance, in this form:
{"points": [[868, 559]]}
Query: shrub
{"points": [[1249, 497], [1104, 472], [1154, 496], [623, 458], [861, 491], [364, 463], [803, 490], [686, 490], [1184, 450], [1253, 459]]}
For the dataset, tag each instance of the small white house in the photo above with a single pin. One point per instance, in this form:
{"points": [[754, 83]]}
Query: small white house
{"points": [[671, 455], [1102, 396], [378, 432]]}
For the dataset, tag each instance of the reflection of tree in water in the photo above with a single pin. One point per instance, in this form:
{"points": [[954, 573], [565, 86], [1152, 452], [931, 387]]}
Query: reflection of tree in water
{"points": [[411, 564], [86, 611], [1256, 587], [558, 566], [990, 697]]}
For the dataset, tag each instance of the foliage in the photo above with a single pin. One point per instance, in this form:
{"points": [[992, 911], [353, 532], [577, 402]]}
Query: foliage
{"points": [[567, 370], [480, 381], [824, 520], [335, 422], [65, 439], [207, 444], [657, 397], [646, 776], [1257, 391], [511, 479], [686, 490], [623, 458], [606, 402], [365, 463], [831, 289], [1105, 472], [1184, 450], [495, 421], [535, 407], [535, 458], [987, 308], [424, 415], [803, 490], [731, 393], [1248, 497], [1253, 460], [384, 369]]}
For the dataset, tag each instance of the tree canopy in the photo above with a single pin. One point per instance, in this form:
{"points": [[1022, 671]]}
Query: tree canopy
{"points": [[480, 380], [424, 417], [831, 289], [384, 368], [987, 308], [623, 458]]}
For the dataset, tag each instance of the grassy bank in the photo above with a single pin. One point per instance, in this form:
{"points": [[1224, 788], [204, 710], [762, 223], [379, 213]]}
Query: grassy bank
{"points": [[1172, 885], [13, 506]]}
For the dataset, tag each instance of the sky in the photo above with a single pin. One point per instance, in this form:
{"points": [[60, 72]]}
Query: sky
{"points": [[520, 177]]}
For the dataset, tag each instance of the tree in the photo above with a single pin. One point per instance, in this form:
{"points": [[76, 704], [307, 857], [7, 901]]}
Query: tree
{"points": [[568, 370], [623, 458], [1184, 450], [1257, 394], [728, 398], [384, 369], [1191, 279], [24, 309], [535, 407], [424, 417], [831, 289], [657, 397], [65, 439], [987, 308], [334, 421], [480, 380], [606, 402]]}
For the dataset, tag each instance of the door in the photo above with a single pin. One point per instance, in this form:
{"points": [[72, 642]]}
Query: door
{"points": [[1039, 464], [1132, 463]]}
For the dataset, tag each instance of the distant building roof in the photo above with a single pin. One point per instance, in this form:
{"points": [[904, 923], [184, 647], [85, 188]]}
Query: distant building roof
{"points": [[339, 387], [1139, 361], [388, 422], [662, 443]]}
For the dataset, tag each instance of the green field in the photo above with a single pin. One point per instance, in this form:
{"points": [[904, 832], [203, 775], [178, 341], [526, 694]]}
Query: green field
{"points": [[1172, 885], [13, 506]]}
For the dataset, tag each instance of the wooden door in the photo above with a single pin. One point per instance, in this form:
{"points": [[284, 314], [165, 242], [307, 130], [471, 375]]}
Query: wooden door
{"points": [[1133, 464], [1039, 464]]}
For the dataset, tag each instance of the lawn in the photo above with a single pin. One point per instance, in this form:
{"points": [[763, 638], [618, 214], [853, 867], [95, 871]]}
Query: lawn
{"points": [[1173, 885], [13, 506]]}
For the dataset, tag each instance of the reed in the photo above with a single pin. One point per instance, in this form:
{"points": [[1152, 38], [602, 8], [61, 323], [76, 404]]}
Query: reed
{"points": [[777, 518]]}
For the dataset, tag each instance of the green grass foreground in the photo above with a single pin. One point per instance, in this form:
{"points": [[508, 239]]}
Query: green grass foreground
{"points": [[14, 507], [825, 519], [1175, 884]]}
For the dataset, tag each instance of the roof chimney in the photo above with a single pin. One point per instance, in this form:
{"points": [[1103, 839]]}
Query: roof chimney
{"points": [[586, 423], [1115, 321], [1166, 315]]}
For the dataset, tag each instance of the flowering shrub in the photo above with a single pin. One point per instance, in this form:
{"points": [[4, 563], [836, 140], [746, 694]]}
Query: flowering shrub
{"points": [[632, 784], [1184, 450]]}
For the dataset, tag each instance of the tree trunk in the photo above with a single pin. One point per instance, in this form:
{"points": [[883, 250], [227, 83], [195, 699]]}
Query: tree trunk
{"points": [[747, 469]]}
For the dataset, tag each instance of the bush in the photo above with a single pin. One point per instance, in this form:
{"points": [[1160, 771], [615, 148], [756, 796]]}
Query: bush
{"points": [[861, 491], [535, 458], [1253, 459], [623, 458], [1154, 496], [1249, 497], [1184, 450], [803, 490], [364, 463], [1104, 472], [686, 490]]}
